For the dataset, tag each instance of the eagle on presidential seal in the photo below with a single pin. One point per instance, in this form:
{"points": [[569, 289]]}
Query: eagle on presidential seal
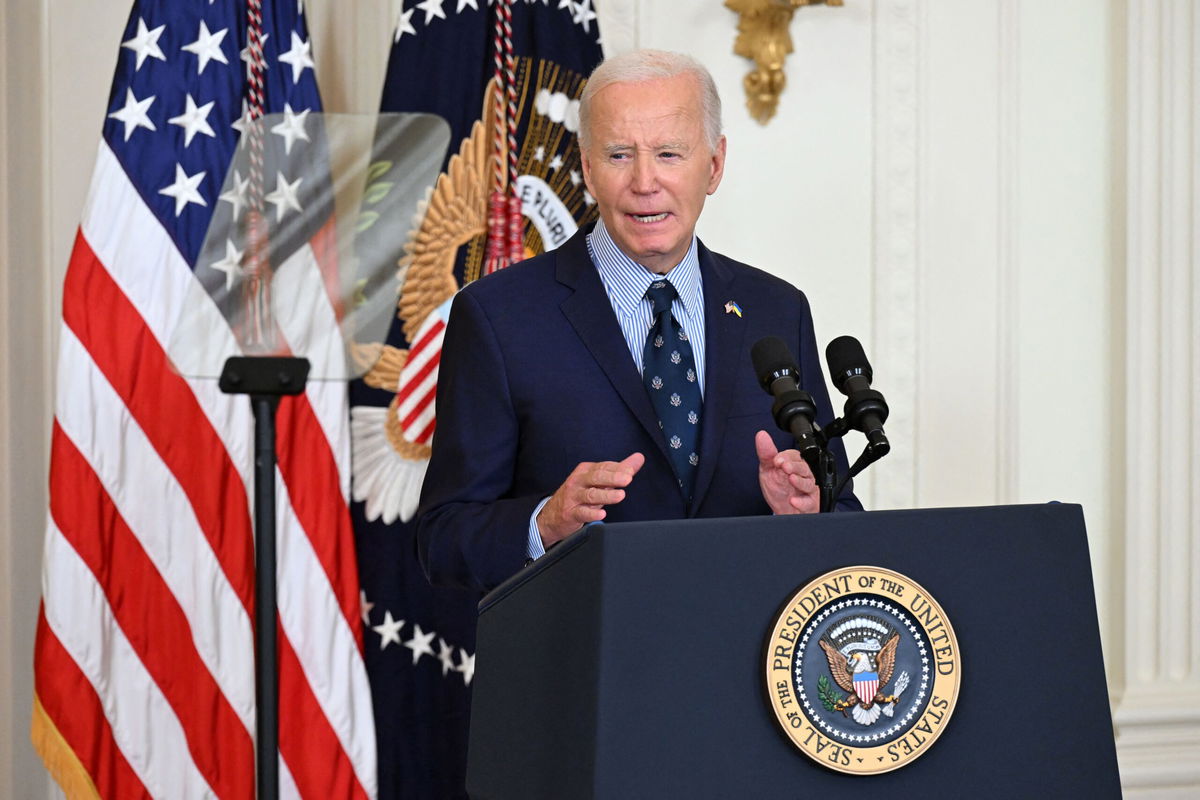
{"points": [[391, 445], [862, 657]]}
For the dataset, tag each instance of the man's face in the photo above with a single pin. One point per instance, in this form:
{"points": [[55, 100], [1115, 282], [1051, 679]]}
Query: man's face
{"points": [[649, 166]]}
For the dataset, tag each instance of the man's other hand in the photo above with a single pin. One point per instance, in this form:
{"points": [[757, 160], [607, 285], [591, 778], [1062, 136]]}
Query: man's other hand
{"points": [[786, 481], [582, 497]]}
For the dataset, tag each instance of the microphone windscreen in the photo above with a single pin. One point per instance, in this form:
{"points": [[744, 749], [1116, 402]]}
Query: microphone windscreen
{"points": [[845, 358], [770, 356]]}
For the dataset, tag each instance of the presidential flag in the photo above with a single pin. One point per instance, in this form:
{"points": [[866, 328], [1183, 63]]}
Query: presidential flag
{"points": [[144, 656], [507, 77]]}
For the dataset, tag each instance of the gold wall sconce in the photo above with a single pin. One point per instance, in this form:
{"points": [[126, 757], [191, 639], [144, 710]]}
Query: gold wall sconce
{"points": [[763, 38]]}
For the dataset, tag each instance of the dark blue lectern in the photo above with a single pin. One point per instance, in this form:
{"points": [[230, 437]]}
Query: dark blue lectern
{"points": [[628, 662]]}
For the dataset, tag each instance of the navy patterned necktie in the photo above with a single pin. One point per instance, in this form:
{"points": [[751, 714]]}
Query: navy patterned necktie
{"points": [[669, 372]]}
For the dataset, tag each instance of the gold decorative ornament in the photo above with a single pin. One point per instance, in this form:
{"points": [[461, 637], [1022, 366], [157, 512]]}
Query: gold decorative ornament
{"points": [[763, 38]]}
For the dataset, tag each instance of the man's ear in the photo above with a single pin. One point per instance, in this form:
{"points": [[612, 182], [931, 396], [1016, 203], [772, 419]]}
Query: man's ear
{"points": [[718, 166], [585, 162]]}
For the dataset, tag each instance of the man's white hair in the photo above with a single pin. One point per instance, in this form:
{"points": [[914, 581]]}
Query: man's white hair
{"points": [[639, 66]]}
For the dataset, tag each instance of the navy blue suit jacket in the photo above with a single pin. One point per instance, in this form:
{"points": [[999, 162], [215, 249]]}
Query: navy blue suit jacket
{"points": [[536, 377]]}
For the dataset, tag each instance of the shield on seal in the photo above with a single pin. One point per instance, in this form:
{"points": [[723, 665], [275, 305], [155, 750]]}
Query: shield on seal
{"points": [[866, 684]]}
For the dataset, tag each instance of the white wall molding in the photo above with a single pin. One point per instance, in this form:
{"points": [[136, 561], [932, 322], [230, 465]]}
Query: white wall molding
{"points": [[1158, 713], [352, 51], [1008, 181], [619, 25], [896, 33], [26, 372], [7, 673]]}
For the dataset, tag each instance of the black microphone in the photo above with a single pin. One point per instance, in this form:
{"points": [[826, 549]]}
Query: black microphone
{"points": [[865, 409], [793, 410]]}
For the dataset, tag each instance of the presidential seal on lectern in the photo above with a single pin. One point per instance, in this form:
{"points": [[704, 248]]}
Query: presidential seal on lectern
{"points": [[862, 670]]}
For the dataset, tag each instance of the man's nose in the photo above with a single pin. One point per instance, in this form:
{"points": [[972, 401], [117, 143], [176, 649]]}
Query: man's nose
{"points": [[645, 176]]}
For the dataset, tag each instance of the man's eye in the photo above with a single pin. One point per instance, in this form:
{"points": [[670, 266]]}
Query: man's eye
{"points": [[669, 155]]}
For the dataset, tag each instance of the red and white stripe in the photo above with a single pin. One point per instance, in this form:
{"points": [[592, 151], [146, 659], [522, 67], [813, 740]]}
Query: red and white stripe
{"points": [[144, 655], [866, 689], [418, 381]]}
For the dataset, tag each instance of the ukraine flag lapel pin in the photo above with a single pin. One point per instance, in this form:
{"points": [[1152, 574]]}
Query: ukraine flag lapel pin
{"points": [[731, 307]]}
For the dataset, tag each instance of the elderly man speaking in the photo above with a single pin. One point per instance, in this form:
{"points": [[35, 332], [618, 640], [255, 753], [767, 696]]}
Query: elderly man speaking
{"points": [[610, 379]]}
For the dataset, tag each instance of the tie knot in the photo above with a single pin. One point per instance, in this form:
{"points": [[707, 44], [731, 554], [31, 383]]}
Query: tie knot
{"points": [[661, 294]]}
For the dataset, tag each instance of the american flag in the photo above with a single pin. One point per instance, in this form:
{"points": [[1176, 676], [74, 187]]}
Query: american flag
{"points": [[144, 674]]}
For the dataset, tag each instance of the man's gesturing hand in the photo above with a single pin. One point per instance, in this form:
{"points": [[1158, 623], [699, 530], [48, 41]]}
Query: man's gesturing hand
{"points": [[786, 481], [582, 497]]}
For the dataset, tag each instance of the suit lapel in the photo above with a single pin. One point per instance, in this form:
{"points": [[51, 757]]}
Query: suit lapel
{"points": [[723, 334], [590, 314]]}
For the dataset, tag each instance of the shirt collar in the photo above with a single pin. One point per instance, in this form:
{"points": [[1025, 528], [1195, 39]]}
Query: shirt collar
{"points": [[626, 280]]}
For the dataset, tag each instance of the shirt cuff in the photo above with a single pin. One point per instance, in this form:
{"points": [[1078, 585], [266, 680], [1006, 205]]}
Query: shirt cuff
{"points": [[534, 549]]}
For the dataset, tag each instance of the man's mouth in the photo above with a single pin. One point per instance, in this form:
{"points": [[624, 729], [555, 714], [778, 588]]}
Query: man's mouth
{"points": [[650, 217]]}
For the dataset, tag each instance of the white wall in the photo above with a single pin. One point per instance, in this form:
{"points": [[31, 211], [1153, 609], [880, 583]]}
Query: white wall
{"points": [[998, 197]]}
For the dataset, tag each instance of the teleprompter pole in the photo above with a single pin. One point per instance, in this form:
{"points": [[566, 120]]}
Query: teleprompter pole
{"points": [[265, 380], [266, 642]]}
